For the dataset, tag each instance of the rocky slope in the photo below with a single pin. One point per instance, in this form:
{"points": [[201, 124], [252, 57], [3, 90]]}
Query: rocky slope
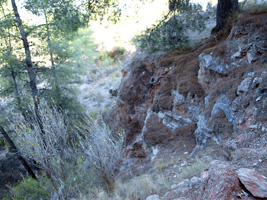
{"points": [[207, 101]]}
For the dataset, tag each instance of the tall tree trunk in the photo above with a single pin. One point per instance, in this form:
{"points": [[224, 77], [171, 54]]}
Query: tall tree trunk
{"points": [[15, 150], [29, 64], [30, 68], [224, 9]]}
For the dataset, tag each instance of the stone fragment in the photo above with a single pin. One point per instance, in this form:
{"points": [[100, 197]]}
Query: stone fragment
{"points": [[174, 186], [153, 197], [244, 86], [236, 55], [252, 56], [256, 82], [183, 164], [258, 99], [194, 181], [178, 98], [254, 182]]}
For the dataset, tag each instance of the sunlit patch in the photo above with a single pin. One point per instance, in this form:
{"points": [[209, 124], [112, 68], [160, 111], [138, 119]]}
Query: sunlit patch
{"points": [[133, 21]]}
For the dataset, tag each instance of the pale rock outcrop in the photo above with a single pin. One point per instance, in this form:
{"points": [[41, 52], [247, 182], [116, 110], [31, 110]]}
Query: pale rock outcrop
{"points": [[223, 103], [210, 70], [215, 64]]}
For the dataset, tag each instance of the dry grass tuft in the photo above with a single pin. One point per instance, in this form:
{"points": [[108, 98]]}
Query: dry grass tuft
{"points": [[136, 188], [194, 169], [253, 9], [160, 165], [140, 187]]}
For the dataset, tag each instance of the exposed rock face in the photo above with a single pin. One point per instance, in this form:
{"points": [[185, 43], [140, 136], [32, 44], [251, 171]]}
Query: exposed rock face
{"points": [[215, 96], [207, 94], [135, 97]]}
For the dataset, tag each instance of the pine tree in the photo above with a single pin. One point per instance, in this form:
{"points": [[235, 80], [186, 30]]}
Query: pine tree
{"points": [[224, 9]]}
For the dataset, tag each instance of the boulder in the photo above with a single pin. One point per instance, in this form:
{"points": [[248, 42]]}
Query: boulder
{"points": [[244, 86], [254, 182], [220, 182]]}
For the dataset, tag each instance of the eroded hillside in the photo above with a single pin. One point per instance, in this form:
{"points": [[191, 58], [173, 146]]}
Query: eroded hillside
{"points": [[210, 101]]}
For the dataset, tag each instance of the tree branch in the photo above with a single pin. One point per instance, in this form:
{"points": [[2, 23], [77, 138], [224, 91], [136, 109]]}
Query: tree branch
{"points": [[30, 30], [15, 150]]}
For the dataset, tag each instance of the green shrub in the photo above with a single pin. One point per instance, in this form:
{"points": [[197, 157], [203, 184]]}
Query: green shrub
{"points": [[117, 52], [170, 33], [32, 189]]}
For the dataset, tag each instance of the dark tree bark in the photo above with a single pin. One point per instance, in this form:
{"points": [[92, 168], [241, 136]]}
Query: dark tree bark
{"points": [[15, 150], [30, 68], [224, 9], [29, 64]]}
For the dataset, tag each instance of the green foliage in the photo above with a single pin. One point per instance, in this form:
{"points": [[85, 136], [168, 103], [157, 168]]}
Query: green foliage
{"points": [[12, 70], [65, 15], [70, 51], [13, 78], [100, 9], [2, 142], [30, 188], [170, 32], [62, 52], [82, 50], [68, 17], [180, 5], [71, 60]]}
